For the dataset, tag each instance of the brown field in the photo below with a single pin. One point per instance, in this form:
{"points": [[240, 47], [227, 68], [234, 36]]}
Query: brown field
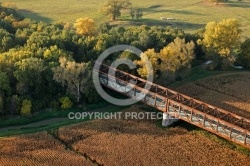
{"points": [[133, 142], [137, 142], [118, 142], [37, 149], [227, 91]]}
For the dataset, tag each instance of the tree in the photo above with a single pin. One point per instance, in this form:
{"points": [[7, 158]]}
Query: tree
{"points": [[221, 38], [176, 57], [29, 76], [136, 13], [112, 8], [85, 26], [153, 57], [244, 55], [4, 83], [177, 54], [73, 75], [6, 40]]}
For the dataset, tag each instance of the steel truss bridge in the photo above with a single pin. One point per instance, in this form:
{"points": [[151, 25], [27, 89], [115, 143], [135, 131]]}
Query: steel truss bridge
{"points": [[213, 119]]}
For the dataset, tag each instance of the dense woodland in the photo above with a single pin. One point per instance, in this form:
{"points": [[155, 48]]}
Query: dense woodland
{"points": [[49, 65]]}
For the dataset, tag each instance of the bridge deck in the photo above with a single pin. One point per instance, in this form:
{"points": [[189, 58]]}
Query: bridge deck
{"points": [[218, 121]]}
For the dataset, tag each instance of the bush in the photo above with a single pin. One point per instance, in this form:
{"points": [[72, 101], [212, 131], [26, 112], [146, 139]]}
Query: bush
{"points": [[66, 103], [26, 107], [54, 104]]}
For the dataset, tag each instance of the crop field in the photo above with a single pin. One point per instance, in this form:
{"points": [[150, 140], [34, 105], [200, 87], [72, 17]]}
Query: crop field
{"points": [[37, 149], [188, 15], [227, 91], [117, 142]]}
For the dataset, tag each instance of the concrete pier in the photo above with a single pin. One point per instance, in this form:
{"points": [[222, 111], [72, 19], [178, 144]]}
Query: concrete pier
{"points": [[168, 120]]}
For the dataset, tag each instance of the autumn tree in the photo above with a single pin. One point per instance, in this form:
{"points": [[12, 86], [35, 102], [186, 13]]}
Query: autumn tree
{"points": [[172, 59], [112, 8], [153, 58], [221, 39], [176, 57], [85, 26], [73, 75]]}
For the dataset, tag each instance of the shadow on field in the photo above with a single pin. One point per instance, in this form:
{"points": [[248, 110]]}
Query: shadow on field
{"points": [[158, 9], [155, 6], [186, 12], [187, 25], [239, 4], [34, 16], [182, 24]]}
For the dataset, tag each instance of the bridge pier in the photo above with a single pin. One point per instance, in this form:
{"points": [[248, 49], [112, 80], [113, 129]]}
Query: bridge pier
{"points": [[168, 120]]}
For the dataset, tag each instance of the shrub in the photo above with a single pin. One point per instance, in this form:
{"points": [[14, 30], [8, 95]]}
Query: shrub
{"points": [[66, 103], [26, 107], [54, 104]]}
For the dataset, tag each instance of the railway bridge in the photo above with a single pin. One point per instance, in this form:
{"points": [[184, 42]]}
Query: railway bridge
{"points": [[173, 104]]}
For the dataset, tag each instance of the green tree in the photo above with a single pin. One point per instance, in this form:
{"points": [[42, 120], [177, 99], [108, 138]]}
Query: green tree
{"points": [[14, 104], [29, 76], [244, 55], [221, 39], [4, 83], [112, 8], [6, 40], [136, 13], [1, 105], [26, 107], [73, 75]]}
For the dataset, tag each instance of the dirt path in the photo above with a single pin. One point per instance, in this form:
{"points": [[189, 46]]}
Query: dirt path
{"points": [[48, 121]]}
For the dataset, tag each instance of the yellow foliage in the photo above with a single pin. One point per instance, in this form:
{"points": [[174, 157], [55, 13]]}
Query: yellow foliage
{"points": [[176, 55], [152, 56], [26, 107], [85, 26], [171, 58], [222, 37], [66, 103]]}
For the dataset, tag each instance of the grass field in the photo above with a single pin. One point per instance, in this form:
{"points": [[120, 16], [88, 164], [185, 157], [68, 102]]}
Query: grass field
{"points": [[190, 14]]}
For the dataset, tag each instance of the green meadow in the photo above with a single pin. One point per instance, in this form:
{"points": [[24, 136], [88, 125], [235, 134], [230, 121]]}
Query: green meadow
{"points": [[189, 15]]}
